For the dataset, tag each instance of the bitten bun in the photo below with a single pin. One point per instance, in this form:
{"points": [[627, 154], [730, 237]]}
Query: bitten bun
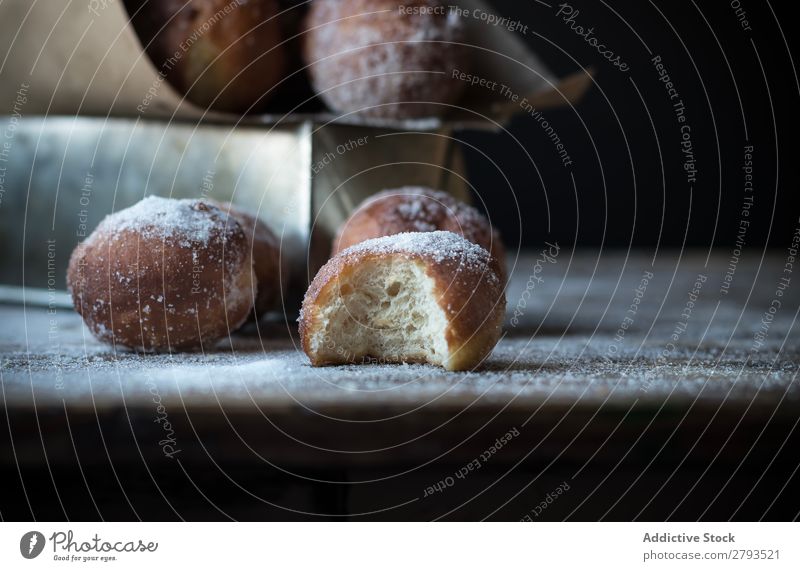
{"points": [[419, 209], [220, 55], [163, 275], [270, 268], [420, 297], [385, 58]]}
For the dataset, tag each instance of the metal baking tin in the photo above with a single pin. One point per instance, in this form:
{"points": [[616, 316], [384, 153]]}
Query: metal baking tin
{"points": [[104, 150], [64, 174]]}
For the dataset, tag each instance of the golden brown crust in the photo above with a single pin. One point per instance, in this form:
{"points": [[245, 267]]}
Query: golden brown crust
{"points": [[419, 209], [380, 59], [270, 268], [163, 275], [468, 290], [229, 55]]}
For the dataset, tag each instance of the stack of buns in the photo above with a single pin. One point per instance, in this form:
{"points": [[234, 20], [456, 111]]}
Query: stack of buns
{"points": [[419, 209], [414, 274], [374, 58], [414, 277]]}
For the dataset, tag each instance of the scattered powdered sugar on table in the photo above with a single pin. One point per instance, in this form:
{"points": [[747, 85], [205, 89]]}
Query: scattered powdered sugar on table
{"points": [[274, 372], [563, 358]]}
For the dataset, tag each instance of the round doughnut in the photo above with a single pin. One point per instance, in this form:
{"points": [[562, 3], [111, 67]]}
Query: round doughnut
{"points": [[220, 55], [419, 209], [378, 57], [163, 275], [420, 297], [269, 266]]}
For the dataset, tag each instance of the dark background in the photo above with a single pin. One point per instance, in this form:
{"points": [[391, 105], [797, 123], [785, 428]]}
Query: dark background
{"points": [[623, 196], [620, 198], [739, 87]]}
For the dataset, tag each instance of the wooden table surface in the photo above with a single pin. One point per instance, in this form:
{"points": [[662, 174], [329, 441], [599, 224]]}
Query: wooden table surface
{"points": [[601, 355]]}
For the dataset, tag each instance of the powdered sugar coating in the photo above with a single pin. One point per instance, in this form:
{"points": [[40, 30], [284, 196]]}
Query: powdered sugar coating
{"points": [[450, 258], [271, 269], [439, 247], [462, 282], [419, 209], [422, 208], [365, 54], [186, 220], [163, 274]]}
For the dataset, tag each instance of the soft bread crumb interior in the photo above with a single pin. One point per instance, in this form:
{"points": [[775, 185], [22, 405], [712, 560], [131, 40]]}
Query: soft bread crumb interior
{"points": [[384, 310]]}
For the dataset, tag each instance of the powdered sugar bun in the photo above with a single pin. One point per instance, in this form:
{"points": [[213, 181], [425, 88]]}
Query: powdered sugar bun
{"points": [[419, 209], [429, 297], [368, 56], [270, 268], [163, 275], [221, 54]]}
